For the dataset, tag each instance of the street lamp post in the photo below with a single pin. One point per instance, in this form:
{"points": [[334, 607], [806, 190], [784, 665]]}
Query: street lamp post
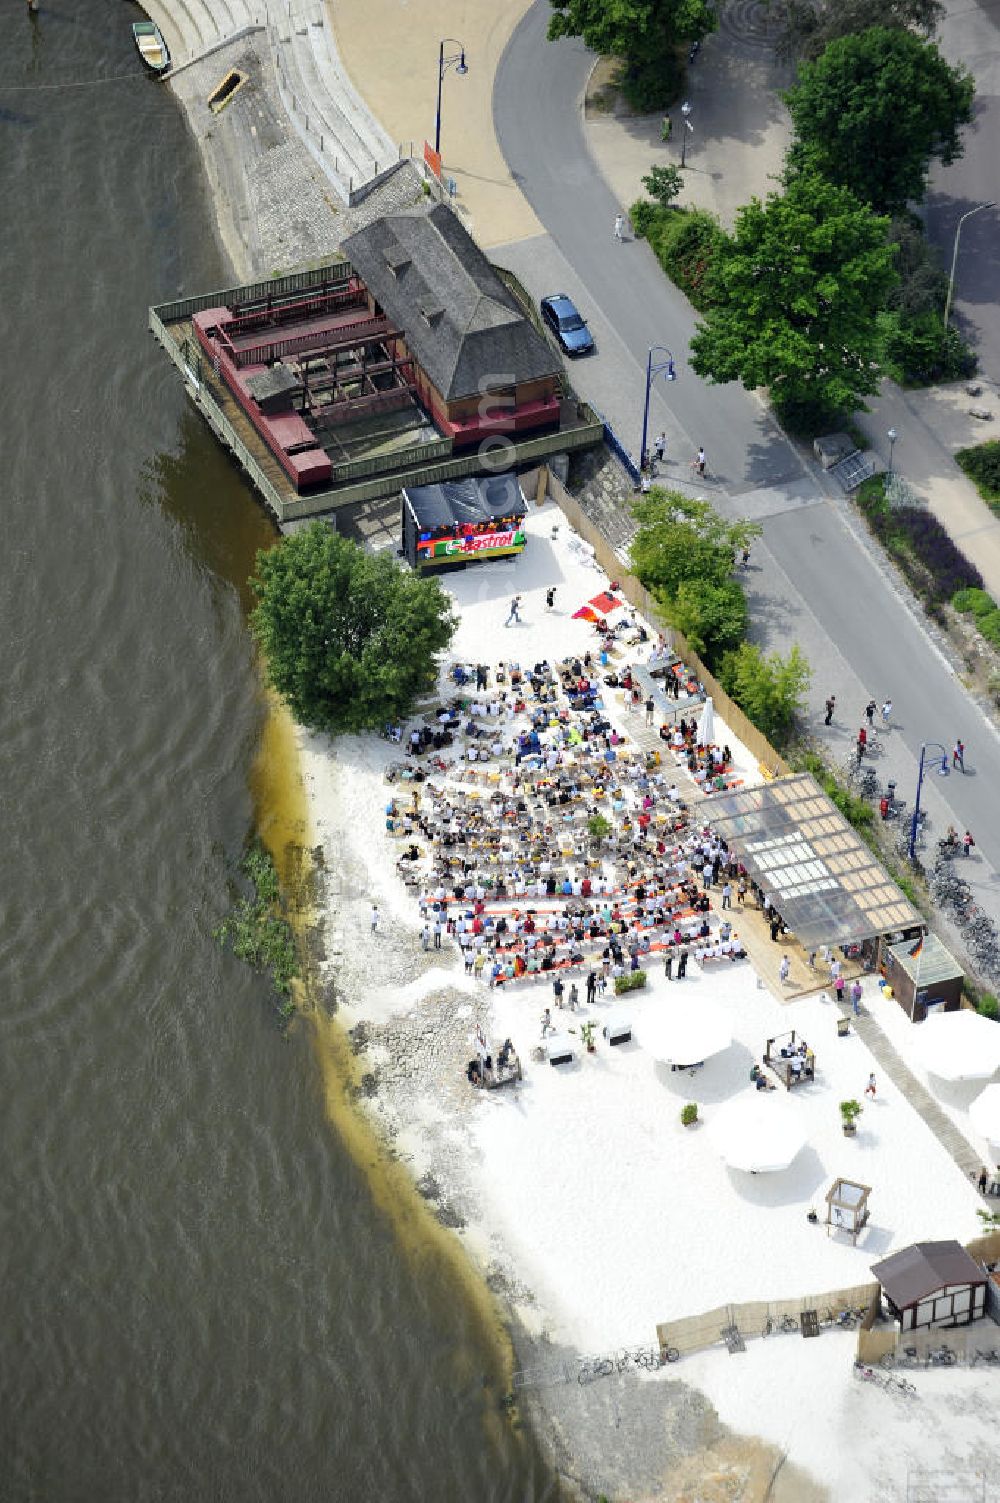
{"points": [[664, 367], [686, 127], [954, 254], [457, 61], [943, 771], [892, 436]]}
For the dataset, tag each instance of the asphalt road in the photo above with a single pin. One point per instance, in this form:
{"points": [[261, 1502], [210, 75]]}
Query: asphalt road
{"points": [[813, 580]]}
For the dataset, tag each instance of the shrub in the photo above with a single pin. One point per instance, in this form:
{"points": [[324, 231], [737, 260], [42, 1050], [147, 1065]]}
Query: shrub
{"points": [[974, 602], [989, 626], [769, 690], [689, 1113], [643, 214], [629, 981], [685, 242], [933, 565], [917, 351], [598, 827], [982, 464], [988, 1006]]}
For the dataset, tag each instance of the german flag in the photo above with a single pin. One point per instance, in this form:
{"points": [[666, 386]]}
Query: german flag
{"points": [[915, 950]]}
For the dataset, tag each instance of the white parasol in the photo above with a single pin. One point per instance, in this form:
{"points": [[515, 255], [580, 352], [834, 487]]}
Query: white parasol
{"points": [[758, 1134], [959, 1045], [680, 1035], [984, 1113], [706, 723]]}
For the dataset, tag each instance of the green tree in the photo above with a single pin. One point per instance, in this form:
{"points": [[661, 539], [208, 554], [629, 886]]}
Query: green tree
{"points": [[645, 33], [873, 110], [811, 25], [349, 637], [681, 539], [663, 184], [769, 690], [796, 291], [713, 617]]}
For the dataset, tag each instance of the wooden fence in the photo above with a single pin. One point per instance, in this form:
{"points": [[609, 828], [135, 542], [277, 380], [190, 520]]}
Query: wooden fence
{"points": [[636, 594], [695, 1333]]}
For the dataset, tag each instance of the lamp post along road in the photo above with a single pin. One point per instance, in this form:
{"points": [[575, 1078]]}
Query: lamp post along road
{"points": [[687, 127], [943, 772], [954, 254], [457, 61], [892, 436], [664, 367]]}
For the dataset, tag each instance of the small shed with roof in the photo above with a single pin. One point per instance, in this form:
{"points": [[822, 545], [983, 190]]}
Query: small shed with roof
{"points": [[933, 1284], [924, 976]]}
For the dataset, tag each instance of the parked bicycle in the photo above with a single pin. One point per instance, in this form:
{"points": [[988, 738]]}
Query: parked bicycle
{"points": [[785, 1323]]}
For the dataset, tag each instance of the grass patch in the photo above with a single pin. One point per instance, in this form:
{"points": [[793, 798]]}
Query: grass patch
{"points": [[257, 929]]}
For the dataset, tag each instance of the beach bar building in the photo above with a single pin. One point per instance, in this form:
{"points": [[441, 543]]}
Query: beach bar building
{"points": [[933, 1284]]}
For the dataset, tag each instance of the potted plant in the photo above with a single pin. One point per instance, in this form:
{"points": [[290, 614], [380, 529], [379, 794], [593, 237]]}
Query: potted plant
{"points": [[587, 1034], [849, 1112], [689, 1113]]}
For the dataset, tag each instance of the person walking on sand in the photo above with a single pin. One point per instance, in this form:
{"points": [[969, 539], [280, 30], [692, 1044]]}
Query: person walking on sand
{"points": [[591, 988], [619, 226], [438, 930], [668, 965], [550, 597], [784, 970], [870, 1087], [682, 965], [650, 708], [514, 614], [830, 706], [958, 756], [374, 917], [547, 1024], [425, 936], [856, 998]]}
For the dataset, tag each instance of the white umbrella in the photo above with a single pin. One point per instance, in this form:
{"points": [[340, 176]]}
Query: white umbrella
{"points": [[959, 1045], [984, 1113], [680, 1035], [706, 723], [758, 1134]]}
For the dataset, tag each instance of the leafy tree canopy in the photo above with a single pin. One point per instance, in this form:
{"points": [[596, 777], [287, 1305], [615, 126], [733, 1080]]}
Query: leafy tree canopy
{"points": [[633, 29], [713, 617], [796, 291], [811, 25], [349, 637], [681, 539], [769, 690], [872, 112]]}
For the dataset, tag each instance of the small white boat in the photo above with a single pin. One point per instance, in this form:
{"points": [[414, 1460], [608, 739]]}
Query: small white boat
{"points": [[152, 47]]}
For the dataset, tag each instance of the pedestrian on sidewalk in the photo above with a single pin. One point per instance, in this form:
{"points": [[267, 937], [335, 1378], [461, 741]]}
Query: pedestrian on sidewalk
{"points": [[886, 711], [870, 1087], [550, 597], [984, 1179], [698, 463], [870, 709], [838, 987], [666, 129], [745, 557], [619, 226], [784, 969], [660, 447], [514, 613], [374, 917], [958, 756], [830, 706], [856, 998], [968, 842], [862, 741]]}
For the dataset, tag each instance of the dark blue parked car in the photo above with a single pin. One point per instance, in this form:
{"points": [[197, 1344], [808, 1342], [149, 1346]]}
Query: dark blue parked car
{"points": [[562, 317]]}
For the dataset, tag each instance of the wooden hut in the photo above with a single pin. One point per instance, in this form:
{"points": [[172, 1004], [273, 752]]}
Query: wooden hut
{"points": [[933, 1284], [924, 976]]}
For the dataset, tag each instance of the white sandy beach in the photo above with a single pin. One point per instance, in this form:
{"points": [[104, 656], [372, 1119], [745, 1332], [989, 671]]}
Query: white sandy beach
{"points": [[580, 1184]]}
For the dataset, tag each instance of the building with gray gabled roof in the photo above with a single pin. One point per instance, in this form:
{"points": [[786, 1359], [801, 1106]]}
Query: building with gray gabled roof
{"points": [[481, 366]]}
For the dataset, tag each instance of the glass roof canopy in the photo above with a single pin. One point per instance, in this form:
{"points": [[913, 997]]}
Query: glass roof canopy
{"points": [[818, 873]]}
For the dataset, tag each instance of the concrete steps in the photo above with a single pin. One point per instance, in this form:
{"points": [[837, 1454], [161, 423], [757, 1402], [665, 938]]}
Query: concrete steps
{"points": [[317, 114], [372, 139]]}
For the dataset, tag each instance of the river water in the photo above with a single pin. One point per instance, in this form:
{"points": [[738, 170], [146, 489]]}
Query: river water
{"points": [[200, 1296]]}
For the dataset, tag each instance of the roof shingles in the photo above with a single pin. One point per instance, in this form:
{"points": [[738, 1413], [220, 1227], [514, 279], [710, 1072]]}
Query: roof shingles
{"points": [[422, 261]]}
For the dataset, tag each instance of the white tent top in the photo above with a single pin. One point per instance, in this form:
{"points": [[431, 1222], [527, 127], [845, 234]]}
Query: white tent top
{"points": [[959, 1045], [984, 1113], [706, 723], [681, 1034], [757, 1133]]}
